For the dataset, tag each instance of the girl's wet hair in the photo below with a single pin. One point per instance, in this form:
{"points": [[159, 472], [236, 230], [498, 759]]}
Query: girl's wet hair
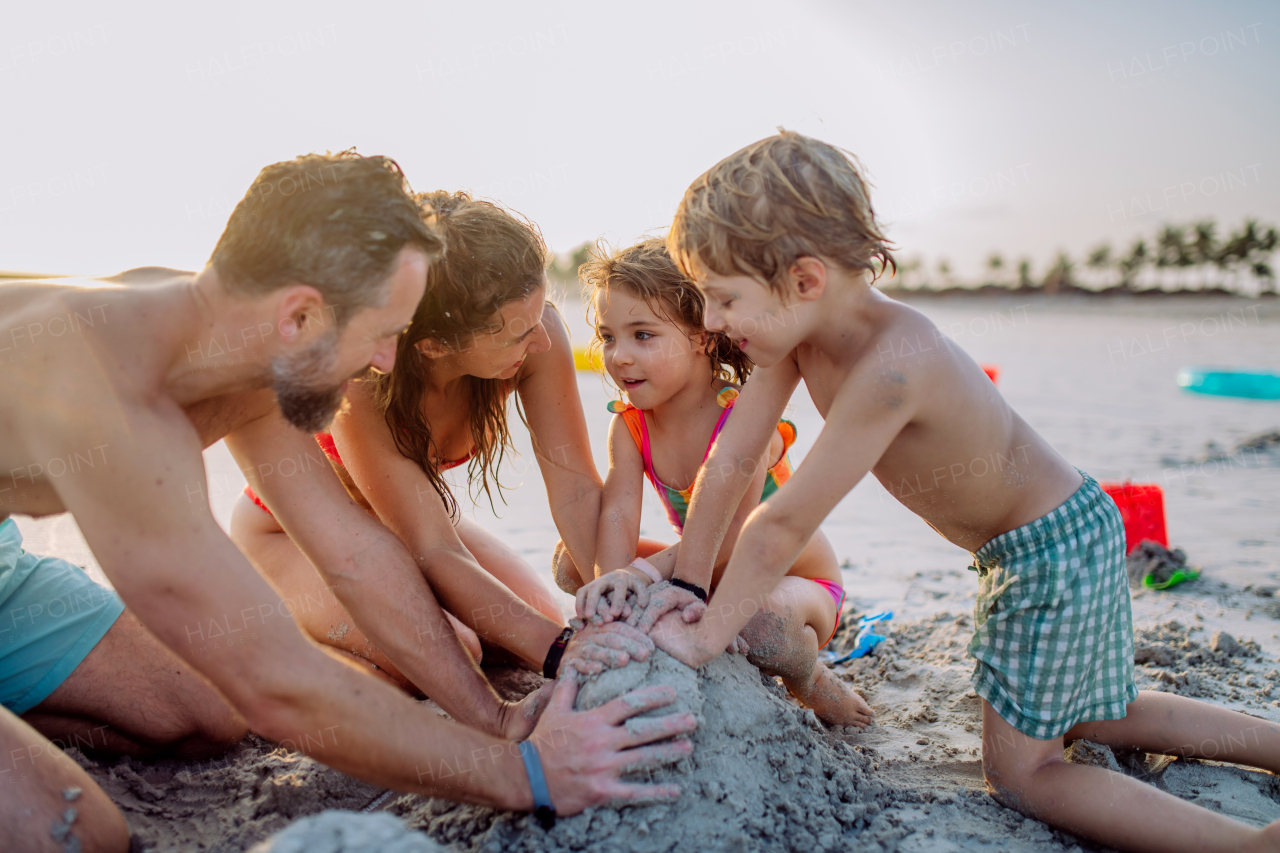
{"points": [[492, 257], [647, 272]]}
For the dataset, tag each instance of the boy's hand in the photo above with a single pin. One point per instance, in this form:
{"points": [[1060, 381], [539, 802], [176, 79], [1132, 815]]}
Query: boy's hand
{"points": [[595, 648], [613, 588], [658, 600], [682, 640]]}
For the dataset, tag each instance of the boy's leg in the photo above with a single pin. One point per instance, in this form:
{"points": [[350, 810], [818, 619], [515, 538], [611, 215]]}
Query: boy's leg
{"points": [[316, 609], [783, 641], [35, 777], [1030, 776], [1176, 725]]}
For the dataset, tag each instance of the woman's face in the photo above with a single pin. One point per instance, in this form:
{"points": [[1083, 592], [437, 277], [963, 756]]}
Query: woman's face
{"points": [[498, 350]]}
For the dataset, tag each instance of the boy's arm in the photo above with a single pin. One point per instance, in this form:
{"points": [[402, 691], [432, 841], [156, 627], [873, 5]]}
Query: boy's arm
{"points": [[866, 416], [549, 393], [734, 462], [619, 528]]}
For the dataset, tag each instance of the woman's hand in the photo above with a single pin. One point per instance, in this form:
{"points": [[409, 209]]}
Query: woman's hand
{"points": [[606, 596]]}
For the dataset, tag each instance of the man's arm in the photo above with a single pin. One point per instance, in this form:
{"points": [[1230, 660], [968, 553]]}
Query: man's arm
{"points": [[183, 579], [369, 569], [863, 421], [549, 393], [731, 467]]}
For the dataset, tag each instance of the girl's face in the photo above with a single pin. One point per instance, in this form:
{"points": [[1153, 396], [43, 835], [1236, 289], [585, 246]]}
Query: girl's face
{"points": [[649, 357], [498, 351]]}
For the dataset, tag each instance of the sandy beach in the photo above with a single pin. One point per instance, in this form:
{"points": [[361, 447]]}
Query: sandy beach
{"points": [[1096, 378]]}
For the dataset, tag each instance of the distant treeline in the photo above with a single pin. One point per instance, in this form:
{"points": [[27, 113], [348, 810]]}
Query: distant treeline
{"points": [[1180, 259]]}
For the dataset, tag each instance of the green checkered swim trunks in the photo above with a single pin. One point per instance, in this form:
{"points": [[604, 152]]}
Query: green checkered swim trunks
{"points": [[1054, 640]]}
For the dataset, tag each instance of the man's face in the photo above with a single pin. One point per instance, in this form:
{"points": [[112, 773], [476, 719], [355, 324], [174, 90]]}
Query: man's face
{"points": [[310, 384]]}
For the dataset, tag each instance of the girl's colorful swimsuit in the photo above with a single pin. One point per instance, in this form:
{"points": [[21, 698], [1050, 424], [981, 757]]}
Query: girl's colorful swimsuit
{"points": [[325, 440], [676, 501]]}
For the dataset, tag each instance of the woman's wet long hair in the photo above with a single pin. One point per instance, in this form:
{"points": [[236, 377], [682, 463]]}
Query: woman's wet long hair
{"points": [[491, 258]]}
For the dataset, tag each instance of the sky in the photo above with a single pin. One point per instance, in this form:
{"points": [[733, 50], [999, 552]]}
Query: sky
{"points": [[129, 132]]}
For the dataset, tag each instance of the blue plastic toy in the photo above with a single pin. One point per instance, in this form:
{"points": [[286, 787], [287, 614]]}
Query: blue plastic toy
{"points": [[864, 641], [1228, 382]]}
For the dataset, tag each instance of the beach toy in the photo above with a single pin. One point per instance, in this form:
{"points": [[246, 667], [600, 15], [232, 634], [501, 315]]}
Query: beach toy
{"points": [[864, 641], [1142, 510], [1156, 567], [992, 371], [1230, 382], [586, 359]]}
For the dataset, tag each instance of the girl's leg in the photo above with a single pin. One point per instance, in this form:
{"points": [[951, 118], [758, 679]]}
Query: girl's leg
{"points": [[783, 641], [509, 568], [1031, 776], [570, 580], [1177, 725], [316, 610]]}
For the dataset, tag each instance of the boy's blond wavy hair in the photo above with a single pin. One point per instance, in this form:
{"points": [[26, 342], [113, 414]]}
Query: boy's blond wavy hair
{"points": [[777, 200]]}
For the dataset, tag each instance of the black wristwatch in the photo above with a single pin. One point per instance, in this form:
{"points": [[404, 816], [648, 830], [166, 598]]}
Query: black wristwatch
{"points": [[551, 664]]}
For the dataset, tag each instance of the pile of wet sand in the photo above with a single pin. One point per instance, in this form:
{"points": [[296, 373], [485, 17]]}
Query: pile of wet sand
{"points": [[764, 775]]}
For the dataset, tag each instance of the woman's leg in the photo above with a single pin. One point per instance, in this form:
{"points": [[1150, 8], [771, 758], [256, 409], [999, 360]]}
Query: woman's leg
{"points": [[316, 610], [501, 561]]}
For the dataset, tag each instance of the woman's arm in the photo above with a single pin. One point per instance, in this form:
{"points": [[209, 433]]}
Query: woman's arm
{"points": [[406, 502], [549, 392]]}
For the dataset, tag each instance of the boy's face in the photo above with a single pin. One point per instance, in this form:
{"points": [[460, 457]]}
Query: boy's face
{"points": [[750, 313]]}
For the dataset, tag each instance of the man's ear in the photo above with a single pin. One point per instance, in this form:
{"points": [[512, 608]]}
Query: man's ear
{"points": [[301, 313], [808, 278]]}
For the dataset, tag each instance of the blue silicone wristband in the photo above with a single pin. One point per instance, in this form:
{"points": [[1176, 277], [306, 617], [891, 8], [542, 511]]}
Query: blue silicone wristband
{"points": [[543, 810]]}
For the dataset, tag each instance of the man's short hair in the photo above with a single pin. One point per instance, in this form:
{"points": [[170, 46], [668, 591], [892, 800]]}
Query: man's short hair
{"points": [[336, 222], [777, 200]]}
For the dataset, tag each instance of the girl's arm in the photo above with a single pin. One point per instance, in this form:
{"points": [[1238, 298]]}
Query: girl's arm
{"points": [[619, 532], [549, 393], [619, 528], [406, 502]]}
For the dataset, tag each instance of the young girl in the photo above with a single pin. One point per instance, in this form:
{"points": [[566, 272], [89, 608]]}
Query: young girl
{"points": [[676, 377]]}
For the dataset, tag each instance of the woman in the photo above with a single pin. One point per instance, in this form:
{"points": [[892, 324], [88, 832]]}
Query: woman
{"points": [[481, 332]]}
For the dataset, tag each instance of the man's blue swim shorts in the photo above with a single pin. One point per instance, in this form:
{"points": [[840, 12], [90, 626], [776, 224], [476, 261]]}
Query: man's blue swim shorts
{"points": [[51, 615]]}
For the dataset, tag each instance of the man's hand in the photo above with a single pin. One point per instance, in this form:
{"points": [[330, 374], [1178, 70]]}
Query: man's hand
{"points": [[585, 752], [595, 648], [658, 600], [610, 590]]}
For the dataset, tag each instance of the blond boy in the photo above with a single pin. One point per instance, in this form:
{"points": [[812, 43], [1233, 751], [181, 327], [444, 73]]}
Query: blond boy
{"points": [[784, 245]]}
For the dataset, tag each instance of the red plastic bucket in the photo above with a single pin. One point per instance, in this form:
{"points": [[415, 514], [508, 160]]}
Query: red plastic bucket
{"points": [[992, 371], [1142, 510]]}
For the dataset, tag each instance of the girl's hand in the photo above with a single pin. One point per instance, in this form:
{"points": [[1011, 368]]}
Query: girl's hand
{"points": [[613, 588]]}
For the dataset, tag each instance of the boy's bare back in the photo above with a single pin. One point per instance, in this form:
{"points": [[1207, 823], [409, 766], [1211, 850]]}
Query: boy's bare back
{"points": [[957, 455]]}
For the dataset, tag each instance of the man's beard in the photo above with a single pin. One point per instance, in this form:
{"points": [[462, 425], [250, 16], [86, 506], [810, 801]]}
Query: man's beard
{"points": [[297, 379]]}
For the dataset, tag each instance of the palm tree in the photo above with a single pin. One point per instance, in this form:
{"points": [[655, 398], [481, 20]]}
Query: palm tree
{"points": [[995, 263], [1024, 275], [1059, 275], [1131, 265]]}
